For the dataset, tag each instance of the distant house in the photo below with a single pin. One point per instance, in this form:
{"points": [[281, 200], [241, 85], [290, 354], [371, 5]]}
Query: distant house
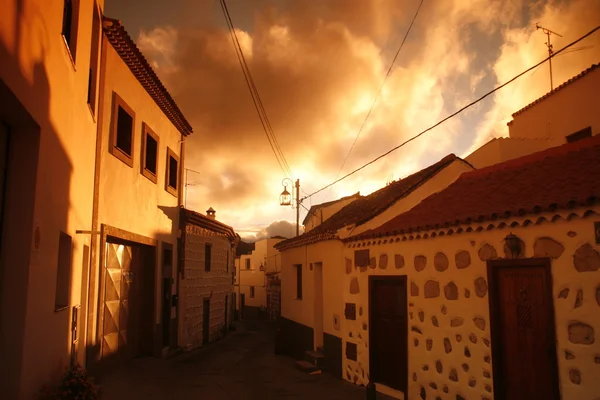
{"points": [[489, 288], [319, 213], [205, 278], [313, 263], [137, 193], [253, 273], [566, 114]]}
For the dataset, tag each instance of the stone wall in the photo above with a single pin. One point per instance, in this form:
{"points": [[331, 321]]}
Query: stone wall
{"points": [[449, 342], [198, 284], [274, 296]]}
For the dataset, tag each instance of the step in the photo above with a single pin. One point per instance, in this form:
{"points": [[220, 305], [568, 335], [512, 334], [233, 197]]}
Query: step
{"points": [[307, 367], [314, 357]]}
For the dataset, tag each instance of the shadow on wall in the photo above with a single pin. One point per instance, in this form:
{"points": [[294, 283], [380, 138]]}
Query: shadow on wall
{"points": [[34, 338]]}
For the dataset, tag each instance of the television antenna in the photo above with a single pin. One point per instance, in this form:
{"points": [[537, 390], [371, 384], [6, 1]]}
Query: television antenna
{"points": [[548, 32]]}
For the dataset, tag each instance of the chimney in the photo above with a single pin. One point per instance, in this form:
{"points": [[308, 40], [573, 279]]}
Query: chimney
{"points": [[210, 213]]}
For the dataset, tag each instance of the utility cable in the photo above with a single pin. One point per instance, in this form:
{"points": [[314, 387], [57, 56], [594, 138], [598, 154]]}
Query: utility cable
{"points": [[457, 112], [260, 109], [380, 89]]}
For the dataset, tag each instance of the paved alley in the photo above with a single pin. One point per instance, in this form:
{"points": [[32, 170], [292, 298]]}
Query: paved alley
{"points": [[240, 367]]}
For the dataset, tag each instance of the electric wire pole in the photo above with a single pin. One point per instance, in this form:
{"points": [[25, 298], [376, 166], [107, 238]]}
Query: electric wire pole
{"points": [[548, 32]]}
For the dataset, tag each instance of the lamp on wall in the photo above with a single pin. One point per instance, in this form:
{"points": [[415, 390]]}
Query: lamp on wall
{"points": [[513, 243]]}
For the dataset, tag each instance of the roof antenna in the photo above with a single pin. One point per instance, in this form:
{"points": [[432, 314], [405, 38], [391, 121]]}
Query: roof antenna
{"points": [[548, 32]]}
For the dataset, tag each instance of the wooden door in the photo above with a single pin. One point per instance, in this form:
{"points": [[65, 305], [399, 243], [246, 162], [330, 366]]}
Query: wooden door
{"points": [[388, 333], [242, 304], [205, 321], [523, 330]]}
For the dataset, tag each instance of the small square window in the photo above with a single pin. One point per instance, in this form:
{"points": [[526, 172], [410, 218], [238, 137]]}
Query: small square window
{"points": [[172, 175], [122, 129], [252, 291], [149, 160]]}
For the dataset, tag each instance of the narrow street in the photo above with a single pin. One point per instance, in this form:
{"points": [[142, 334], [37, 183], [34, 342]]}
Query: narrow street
{"points": [[241, 366]]}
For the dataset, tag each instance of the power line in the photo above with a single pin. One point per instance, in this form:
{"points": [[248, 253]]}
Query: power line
{"points": [[260, 109], [457, 112], [380, 89]]}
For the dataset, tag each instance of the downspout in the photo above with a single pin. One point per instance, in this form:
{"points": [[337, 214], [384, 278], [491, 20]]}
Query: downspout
{"points": [[94, 267]]}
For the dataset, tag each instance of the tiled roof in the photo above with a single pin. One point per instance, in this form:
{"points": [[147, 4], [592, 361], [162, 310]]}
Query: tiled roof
{"points": [[141, 69], [192, 217], [316, 207], [562, 177], [365, 208], [556, 89]]}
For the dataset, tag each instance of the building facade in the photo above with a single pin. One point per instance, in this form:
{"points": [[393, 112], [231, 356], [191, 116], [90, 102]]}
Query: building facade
{"points": [[254, 272], [134, 243], [563, 115], [50, 56], [206, 278], [313, 264], [487, 289]]}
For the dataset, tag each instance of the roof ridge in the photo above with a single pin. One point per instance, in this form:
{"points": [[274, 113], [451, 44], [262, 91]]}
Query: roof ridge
{"points": [[556, 89], [137, 63]]}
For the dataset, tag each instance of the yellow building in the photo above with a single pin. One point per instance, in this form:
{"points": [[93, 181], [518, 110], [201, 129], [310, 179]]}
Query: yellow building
{"points": [[313, 263], [49, 52], [566, 114], [487, 289], [251, 277], [135, 220], [91, 149]]}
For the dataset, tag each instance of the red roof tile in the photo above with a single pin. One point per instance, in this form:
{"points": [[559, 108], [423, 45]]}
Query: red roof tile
{"points": [[192, 217], [556, 89], [313, 209], [141, 69], [365, 208], [562, 177]]}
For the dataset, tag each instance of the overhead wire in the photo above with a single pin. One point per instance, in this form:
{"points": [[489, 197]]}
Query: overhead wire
{"points": [[380, 88], [457, 112], [258, 104]]}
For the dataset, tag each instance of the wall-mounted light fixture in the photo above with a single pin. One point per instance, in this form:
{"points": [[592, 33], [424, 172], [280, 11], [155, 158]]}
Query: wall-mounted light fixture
{"points": [[514, 244]]}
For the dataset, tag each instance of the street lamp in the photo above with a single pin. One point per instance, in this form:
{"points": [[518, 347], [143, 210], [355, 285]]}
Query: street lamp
{"points": [[285, 199]]}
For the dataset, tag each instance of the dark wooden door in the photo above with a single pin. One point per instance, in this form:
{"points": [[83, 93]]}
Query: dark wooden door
{"points": [[388, 337], [205, 321], [523, 330]]}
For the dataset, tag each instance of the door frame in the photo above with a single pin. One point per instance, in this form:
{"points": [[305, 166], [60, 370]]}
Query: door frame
{"points": [[496, 326], [372, 280]]}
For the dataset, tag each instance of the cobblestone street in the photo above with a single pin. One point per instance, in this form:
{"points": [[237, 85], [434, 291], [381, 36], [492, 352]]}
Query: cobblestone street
{"points": [[241, 366]]}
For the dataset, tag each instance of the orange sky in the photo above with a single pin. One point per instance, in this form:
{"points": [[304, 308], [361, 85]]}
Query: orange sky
{"points": [[318, 65]]}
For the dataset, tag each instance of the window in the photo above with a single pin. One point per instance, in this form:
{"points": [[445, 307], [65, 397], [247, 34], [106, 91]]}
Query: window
{"points": [[207, 256], [94, 52], [63, 273], [298, 281], [361, 258], [172, 176], [69, 26], [122, 131], [149, 160], [252, 291], [247, 263], [582, 134]]}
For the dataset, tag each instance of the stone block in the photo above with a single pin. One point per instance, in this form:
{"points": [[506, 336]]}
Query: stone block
{"points": [[399, 261], [462, 259], [586, 259], [547, 247], [420, 263], [432, 289], [440, 262]]}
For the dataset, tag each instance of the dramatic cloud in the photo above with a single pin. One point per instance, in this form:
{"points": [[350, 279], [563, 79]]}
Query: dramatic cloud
{"points": [[278, 228], [319, 65]]}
